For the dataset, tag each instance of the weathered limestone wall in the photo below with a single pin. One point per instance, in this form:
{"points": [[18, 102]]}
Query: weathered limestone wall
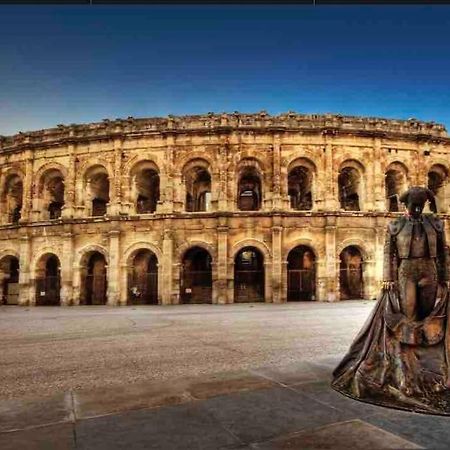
{"points": [[224, 146]]}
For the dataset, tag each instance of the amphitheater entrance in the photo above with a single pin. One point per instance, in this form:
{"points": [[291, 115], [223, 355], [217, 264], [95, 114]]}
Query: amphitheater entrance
{"points": [[351, 280], [196, 276], [48, 281], [143, 279], [9, 276], [249, 276], [94, 280], [301, 274]]}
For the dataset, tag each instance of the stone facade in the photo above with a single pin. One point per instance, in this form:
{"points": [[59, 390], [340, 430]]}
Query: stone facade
{"points": [[212, 208]]}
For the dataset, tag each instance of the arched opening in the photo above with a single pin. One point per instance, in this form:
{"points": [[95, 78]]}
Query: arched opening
{"points": [[300, 188], [9, 273], [51, 193], [249, 190], [13, 198], [146, 188], [143, 279], [349, 181], [198, 189], [48, 281], [437, 183], [249, 276], [395, 185], [94, 282], [351, 280], [97, 186], [301, 274], [196, 276]]}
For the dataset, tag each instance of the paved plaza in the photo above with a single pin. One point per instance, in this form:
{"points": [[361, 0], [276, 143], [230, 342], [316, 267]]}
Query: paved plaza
{"points": [[253, 376]]}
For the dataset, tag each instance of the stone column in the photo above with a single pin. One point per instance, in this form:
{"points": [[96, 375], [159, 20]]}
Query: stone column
{"points": [[113, 266], [67, 267], [330, 179], [123, 287], [115, 189], [222, 197], [69, 185], [276, 168], [26, 294], [378, 177], [27, 197], [332, 265], [166, 265], [222, 260], [277, 230]]}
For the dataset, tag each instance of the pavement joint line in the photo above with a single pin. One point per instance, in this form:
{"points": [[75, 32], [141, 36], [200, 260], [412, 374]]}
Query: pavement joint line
{"points": [[313, 398]]}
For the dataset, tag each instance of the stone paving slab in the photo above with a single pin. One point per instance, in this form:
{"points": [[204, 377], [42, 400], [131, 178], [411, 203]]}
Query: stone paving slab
{"points": [[290, 407], [99, 402], [174, 427], [354, 434], [18, 414], [258, 415], [53, 437]]}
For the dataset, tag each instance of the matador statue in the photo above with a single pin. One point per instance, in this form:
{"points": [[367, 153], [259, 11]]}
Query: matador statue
{"points": [[401, 356]]}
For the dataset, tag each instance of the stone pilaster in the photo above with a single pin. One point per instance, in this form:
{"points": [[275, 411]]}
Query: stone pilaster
{"points": [[26, 294], [167, 269], [67, 268], [27, 197], [378, 177], [222, 258], [115, 188], [277, 230], [277, 179], [332, 264], [68, 209], [114, 267]]}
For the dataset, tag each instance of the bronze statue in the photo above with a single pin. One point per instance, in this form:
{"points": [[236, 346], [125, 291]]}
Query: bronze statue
{"points": [[401, 357]]}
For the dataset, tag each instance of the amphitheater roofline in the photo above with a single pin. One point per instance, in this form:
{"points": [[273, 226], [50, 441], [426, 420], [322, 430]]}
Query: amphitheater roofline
{"points": [[226, 122]]}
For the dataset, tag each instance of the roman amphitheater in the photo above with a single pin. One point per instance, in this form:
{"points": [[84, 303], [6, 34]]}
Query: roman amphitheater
{"points": [[216, 208]]}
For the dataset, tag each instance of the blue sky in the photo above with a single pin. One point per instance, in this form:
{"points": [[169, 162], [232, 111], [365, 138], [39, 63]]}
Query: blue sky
{"points": [[82, 64]]}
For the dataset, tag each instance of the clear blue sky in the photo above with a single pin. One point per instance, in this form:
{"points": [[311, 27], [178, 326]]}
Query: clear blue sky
{"points": [[83, 64]]}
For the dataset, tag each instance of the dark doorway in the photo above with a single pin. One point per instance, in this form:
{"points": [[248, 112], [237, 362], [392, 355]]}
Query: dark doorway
{"points": [[143, 279], [196, 276], [9, 267], [351, 280], [48, 281], [249, 276], [301, 274], [95, 280]]}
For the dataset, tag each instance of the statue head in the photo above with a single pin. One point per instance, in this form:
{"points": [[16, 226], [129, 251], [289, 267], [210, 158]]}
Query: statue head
{"points": [[415, 198]]}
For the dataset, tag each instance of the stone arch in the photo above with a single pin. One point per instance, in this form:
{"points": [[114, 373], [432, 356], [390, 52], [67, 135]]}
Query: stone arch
{"points": [[249, 275], [301, 179], [12, 196], [252, 242], [131, 165], [9, 277], [196, 178], [92, 162], [144, 186], [197, 155], [301, 242], [92, 275], [49, 191], [250, 186], [301, 274], [396, 180], [132, 250], [84, 251], [183, 248], [142, 276], [97, 189], [438, 183], [45, 168], [355, 242], [196, 275], [351, 185], [47, 279]]}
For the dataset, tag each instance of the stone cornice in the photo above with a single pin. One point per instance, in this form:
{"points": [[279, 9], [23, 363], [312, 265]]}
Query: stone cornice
{"points": [[327, 124]]}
